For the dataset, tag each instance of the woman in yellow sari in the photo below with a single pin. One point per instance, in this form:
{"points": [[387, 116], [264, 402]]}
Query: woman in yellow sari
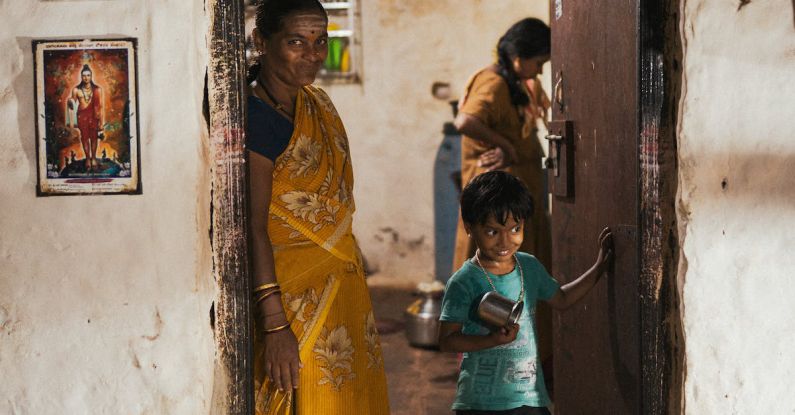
{"points": [[317, 349]]}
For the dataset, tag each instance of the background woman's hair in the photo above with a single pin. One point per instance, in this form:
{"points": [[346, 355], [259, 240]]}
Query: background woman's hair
{"points": [[527, 38], [495, 193], [270, 20]]}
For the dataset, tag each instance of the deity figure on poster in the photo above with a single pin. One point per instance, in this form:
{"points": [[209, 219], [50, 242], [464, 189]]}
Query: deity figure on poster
{"points": [[86, 112], [86, 101]]}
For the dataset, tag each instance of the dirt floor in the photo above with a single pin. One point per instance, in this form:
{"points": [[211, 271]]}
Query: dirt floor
{"points": [[420, 381]]}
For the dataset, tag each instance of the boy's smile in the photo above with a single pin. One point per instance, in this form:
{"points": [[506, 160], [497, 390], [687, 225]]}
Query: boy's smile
{"points": [[497, 243]]}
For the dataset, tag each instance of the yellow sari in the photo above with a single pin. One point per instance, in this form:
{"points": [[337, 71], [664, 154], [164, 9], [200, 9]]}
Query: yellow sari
{"points": [[320, 272]]}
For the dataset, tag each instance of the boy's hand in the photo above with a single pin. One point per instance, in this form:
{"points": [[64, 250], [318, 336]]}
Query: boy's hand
{"points": [[606, 246], [505, 335]]}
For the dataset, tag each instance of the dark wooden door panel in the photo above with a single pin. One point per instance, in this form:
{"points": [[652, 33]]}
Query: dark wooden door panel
{"points": [[597, 344]]}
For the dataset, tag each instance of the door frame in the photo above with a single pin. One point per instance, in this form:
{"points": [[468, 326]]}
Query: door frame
{"points": [[660, 77], [233, 387]]}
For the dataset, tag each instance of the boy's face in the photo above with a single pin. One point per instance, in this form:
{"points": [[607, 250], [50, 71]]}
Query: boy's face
{"points": [[497, 243]]}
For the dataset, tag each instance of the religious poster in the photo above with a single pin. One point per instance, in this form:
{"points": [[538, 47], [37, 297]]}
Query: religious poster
{"points": [[87, 137]]}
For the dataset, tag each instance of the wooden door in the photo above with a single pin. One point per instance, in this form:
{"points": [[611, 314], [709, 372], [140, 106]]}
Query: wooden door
{"points": [[608, 61]]}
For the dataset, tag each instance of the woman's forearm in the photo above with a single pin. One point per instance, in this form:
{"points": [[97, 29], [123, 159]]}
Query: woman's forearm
{"points": [[260, 187], [474, 128], [264, 271]]}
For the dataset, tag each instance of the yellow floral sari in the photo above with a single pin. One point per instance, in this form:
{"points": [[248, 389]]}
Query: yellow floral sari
{"points": [[320, 272]]}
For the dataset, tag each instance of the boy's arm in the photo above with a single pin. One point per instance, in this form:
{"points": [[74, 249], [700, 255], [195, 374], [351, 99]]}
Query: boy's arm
{"points": [[572, 292], [451, 339]]}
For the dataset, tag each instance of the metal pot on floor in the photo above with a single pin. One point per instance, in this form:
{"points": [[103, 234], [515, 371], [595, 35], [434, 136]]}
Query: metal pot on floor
{"points": [[422, 316]]}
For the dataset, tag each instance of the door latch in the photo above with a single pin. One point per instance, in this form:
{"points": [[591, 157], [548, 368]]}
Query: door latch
{"points": [[560, 162]]}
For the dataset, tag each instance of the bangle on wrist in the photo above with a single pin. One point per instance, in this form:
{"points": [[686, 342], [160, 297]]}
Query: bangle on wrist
{"points": [[266, 294], [277, 328], [266, 286]]}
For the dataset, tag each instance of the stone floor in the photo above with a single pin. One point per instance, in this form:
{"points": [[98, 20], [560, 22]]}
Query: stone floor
{"points": [[420, 381]]}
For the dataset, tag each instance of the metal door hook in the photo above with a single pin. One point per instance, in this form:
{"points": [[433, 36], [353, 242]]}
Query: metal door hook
{"points": [[560, 160], [557, 92]]}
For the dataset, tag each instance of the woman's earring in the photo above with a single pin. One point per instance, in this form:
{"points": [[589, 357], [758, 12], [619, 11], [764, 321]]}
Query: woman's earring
{"points": [[252, 51]]}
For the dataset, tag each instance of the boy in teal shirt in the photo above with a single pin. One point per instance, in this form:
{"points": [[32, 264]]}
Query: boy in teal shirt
{"points": [[500, 372]]}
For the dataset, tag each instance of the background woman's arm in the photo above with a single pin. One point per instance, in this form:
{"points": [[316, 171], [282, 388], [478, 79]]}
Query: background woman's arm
{"points": [[472, 127]]}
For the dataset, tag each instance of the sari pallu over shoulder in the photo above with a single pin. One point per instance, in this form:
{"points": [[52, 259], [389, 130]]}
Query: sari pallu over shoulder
{"points": [[313, 180]]}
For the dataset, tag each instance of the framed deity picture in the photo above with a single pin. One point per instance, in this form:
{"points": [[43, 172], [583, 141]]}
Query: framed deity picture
{"points": [[87, 131]]}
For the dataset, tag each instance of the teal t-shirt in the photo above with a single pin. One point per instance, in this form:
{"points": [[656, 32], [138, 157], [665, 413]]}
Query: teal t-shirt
{"points": [[507, 376]]}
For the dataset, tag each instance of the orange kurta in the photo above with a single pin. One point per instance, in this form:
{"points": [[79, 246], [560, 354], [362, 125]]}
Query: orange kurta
{"points": [[320, 272], [487, 98]]}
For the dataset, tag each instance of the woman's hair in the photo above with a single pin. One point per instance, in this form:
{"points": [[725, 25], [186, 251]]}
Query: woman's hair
{"points": [[270, 19], [527, 38], [495, 193]]}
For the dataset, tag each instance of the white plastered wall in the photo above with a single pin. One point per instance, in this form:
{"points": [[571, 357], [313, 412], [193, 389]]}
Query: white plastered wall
{"points": [[394, 123], [736, 206], [104, 300]]}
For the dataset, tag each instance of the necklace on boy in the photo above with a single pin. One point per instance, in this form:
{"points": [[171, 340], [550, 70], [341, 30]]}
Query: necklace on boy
{"points": [[518, 265]]}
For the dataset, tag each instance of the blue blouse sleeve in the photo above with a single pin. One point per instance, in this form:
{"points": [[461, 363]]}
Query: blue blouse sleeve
{"points": [[267, 132]]}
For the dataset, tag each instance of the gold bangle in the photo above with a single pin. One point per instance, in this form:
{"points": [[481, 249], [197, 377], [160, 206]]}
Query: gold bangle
{"points": [[265, 286], [277, 328], [266, 294]]}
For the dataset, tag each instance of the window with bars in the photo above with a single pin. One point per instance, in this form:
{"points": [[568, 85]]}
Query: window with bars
{"points": [[343, 47]]}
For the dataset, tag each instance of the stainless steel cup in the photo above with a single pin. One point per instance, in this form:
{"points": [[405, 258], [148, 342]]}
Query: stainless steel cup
{"points": [[498, 311]]}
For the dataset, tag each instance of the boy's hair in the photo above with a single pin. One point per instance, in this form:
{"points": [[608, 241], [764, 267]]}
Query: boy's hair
{"points": [[495, 193]]}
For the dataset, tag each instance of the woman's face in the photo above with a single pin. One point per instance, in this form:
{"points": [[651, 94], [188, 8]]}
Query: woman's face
{"points": [[529, 68], [86, 77], [296, 53]]}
